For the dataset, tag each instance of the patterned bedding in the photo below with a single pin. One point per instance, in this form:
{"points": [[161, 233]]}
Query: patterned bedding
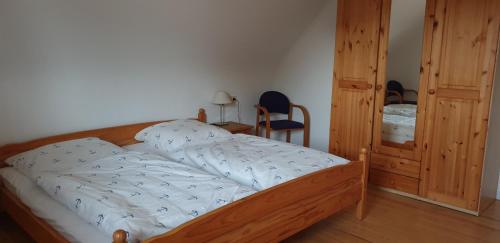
{"points": [[254, 161], [140, 193], [399, 123]]}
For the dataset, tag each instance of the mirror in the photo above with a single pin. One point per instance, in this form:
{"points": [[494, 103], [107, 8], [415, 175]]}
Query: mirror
{"points": [[403, 72]]}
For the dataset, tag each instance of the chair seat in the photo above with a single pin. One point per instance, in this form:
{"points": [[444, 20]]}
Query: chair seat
{"points": [[284, 125]]}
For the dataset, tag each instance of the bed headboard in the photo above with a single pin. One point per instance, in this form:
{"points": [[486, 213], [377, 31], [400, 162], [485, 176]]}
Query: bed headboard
{"points": [[121, 136]]}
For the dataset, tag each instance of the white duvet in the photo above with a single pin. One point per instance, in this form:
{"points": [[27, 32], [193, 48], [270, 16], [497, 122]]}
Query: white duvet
{"points": [[254, 161], [140, 193], [399, 123]]}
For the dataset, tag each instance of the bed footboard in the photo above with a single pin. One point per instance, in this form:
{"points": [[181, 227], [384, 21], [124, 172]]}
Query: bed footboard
{"points": [[277, 213]]}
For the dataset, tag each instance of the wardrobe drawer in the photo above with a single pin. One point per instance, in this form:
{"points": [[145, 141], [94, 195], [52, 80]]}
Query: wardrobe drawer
{"points": [[394, 181], [395, 165]]}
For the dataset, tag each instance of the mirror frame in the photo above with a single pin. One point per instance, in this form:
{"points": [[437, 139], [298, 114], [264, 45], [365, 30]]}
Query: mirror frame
{"points": [[415, 152]]}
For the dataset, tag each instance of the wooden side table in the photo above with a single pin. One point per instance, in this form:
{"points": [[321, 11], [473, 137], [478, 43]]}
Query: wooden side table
{"points": [[234, 128]]}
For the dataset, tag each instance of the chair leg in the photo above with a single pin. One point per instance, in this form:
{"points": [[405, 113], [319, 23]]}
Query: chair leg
{"points": [[257, 124], [288, 136], [268, 132], [306, 137]]}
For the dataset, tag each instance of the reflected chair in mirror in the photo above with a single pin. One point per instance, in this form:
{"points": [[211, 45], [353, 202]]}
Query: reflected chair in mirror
{"points": [[397, 94], [273, 102]]}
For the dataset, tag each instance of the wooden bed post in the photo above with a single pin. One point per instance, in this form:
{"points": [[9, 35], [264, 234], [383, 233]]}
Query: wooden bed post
{"points": [[120, 236], [361, 208], [202, 115]]}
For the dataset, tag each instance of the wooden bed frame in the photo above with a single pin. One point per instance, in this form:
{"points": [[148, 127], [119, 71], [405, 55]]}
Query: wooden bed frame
{"points": [[271, 215]]}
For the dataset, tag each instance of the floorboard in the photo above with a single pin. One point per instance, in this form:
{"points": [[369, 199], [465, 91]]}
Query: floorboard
{"points": [[391, 218]]}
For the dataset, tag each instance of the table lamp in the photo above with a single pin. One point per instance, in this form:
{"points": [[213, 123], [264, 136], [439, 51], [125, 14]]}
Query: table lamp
{"points": [[222, 98]]}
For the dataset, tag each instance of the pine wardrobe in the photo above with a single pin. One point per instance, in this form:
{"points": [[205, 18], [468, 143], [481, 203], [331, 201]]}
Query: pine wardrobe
{"points": [[413, 83]]}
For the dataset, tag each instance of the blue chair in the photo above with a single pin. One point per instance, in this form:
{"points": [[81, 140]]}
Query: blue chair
{"points": [[273, 102]]}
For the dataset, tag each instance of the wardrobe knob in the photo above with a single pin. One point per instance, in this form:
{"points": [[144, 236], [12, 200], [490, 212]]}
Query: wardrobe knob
{"points": [[379, 87], [431, 91]]}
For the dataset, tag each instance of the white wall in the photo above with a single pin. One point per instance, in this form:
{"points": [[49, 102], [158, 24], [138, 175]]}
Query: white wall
{"points": [[74, 65], [305, 74], [493, 142]]}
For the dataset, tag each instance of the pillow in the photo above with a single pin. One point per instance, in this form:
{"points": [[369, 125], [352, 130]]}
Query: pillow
{"points": [[170, 136], [62, 156]]}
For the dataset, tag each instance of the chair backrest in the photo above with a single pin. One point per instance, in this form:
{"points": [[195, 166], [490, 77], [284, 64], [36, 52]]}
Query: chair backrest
{"points": [[275, 102], [394, 85]]}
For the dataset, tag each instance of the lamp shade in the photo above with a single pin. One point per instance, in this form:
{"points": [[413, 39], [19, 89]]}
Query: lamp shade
{"points": [[222, 98]]}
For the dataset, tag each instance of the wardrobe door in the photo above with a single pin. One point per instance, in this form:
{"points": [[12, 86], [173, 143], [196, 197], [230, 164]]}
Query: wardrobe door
{"points": [[358, 23], [464, 47]]}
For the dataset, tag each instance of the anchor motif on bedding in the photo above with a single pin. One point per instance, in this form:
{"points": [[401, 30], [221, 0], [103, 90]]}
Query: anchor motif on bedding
{"points": [[58, 188], [192, 187], [78, 201], [164, 196], [103, 197], [194, 213], [162, 210], [160, 225], [221, 201], [135, 194], [254, 183], [113, 183], [192, 198], [100, 218], [128, 215]]}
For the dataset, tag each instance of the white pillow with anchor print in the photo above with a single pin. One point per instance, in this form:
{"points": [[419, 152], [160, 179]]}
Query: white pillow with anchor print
{"points": [[63, 155], [171, 136]]}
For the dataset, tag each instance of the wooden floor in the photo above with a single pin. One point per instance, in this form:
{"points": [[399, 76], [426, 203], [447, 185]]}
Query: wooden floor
{"points": [[391, 218]]}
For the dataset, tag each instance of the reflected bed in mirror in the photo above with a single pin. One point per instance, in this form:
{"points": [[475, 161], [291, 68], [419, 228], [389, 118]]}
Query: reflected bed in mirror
{"points": [[403, 73], [398, 127]]}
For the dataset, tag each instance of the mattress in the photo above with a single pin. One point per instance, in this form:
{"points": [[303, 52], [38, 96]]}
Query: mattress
{"points": [[67, 223], [399, 123]]}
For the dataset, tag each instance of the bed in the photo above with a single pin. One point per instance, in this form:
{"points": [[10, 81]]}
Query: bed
{"points": [[270, 215], [399, 123]]}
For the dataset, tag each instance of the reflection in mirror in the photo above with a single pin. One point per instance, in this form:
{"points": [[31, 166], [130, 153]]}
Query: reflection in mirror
{"points": [[403, 72]]}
